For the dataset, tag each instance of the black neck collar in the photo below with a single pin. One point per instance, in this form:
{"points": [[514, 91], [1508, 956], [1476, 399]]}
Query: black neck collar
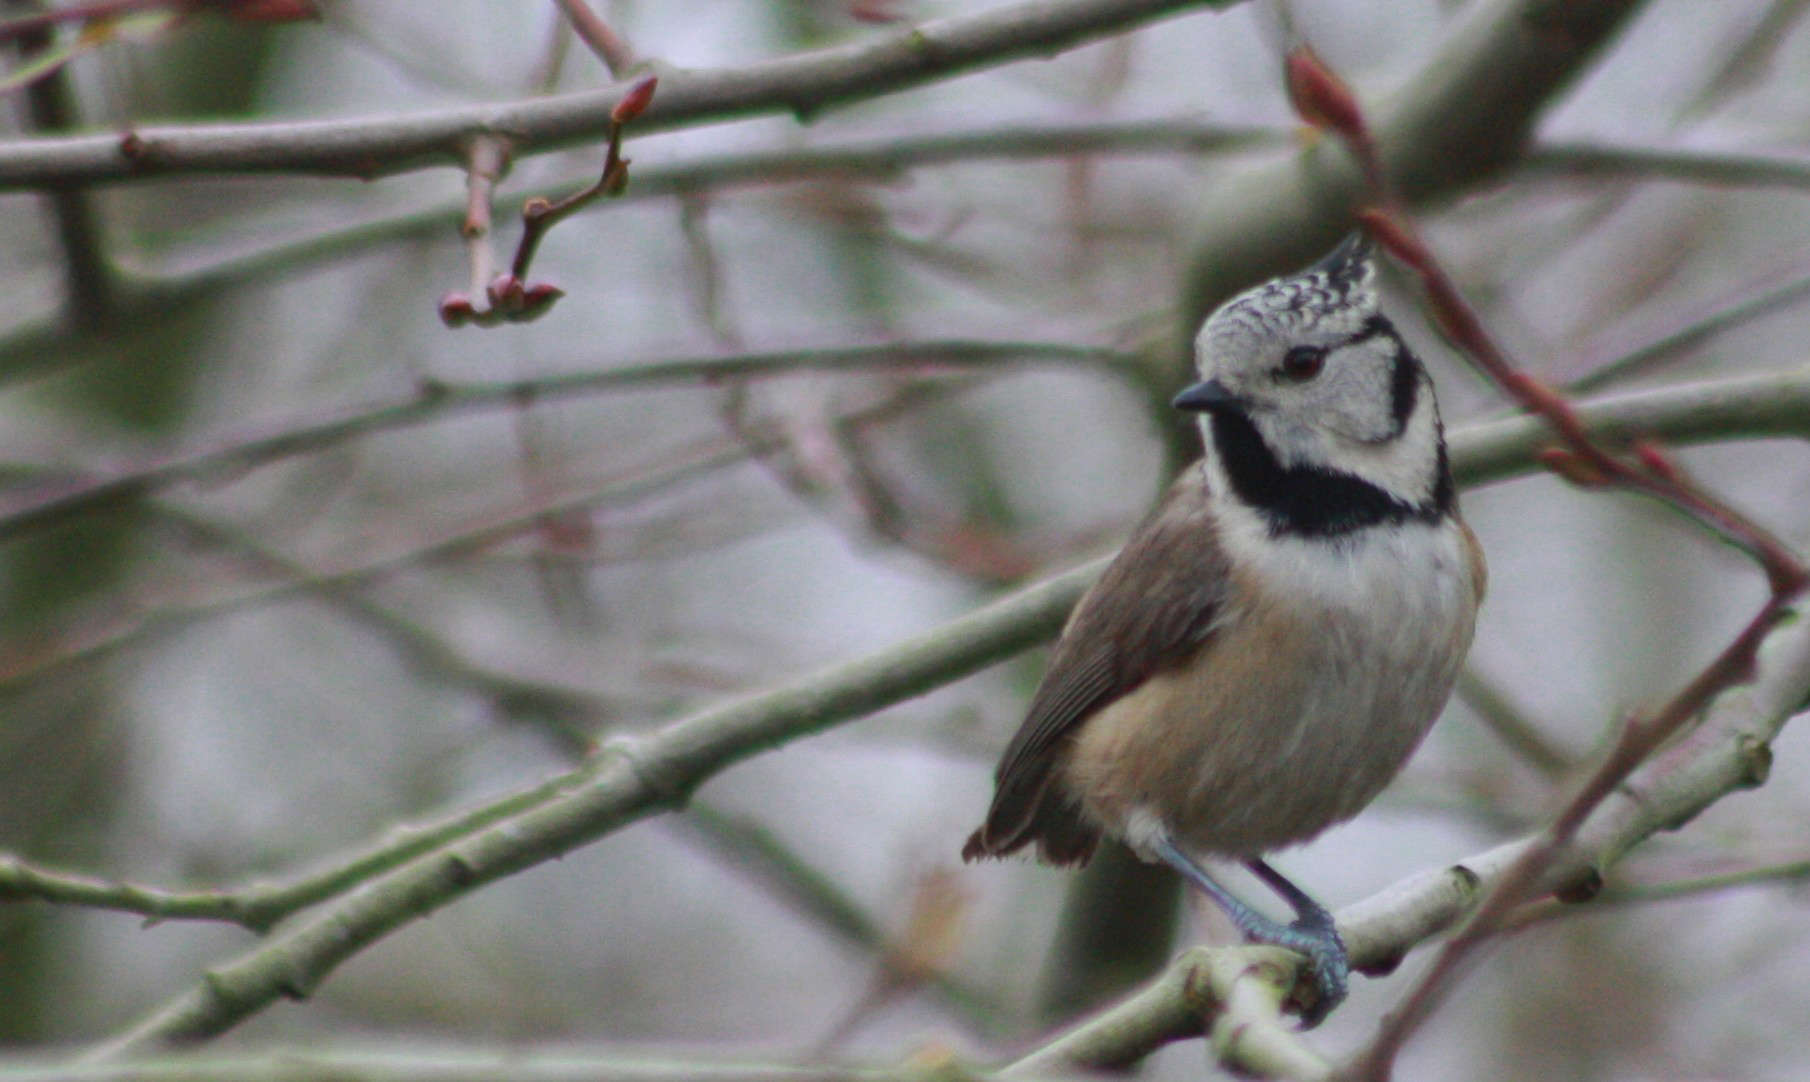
{"points": [[1314, 501]]}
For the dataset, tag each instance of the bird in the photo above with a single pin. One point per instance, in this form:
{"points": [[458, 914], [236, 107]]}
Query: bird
{"points": [[1279, 633]]}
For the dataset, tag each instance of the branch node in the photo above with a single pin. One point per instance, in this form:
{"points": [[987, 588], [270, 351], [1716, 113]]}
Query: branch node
{"points": [[1755, 757], [1584, 887]]}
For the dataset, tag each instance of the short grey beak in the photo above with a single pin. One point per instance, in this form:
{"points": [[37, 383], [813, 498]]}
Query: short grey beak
{"points": [[1208, 397]]}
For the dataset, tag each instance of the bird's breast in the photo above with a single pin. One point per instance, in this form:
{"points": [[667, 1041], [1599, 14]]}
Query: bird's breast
{"points": [[1329, 663]]}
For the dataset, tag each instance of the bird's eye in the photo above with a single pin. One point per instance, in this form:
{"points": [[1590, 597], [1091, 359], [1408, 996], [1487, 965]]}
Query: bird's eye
{"points": [[1303, 363]]}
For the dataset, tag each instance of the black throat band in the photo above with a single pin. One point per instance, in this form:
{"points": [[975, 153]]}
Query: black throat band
{"points": [[1313, 501]]}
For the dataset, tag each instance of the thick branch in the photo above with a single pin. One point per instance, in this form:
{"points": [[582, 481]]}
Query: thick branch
{"points": [[1727, 753], [804, 84], [636, 778], [628, 780]]}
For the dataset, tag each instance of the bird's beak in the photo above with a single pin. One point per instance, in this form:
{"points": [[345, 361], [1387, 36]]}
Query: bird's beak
{"points": [[1208, 397]]}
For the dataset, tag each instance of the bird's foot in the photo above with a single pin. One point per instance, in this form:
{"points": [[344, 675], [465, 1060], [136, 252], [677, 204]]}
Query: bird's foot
{"points": [[1327, 969]]}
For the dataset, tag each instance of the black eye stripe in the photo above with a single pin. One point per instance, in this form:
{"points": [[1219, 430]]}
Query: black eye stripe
{"points": [[1374, 326], [1297, 360], [1404, 387]]}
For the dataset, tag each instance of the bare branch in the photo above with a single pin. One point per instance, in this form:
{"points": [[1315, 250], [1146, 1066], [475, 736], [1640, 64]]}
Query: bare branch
{"points": [[804, 85], [629, 779], [1727, 753], [1586, 462], [1733, 168], [676, 466], [1464, 117], [634, 778], [609, 46], [1648, 891], [438, 400], [1502, 718], [1233, 993]]}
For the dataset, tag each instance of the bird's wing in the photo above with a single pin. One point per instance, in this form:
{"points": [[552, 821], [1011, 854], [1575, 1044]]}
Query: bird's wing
{"points": [[1155, 606]]}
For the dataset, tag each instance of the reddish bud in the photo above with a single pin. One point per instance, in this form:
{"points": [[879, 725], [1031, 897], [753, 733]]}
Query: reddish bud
{"points": [[505, 292], [456, 310], [1321, 98], [636, 101], [535, 208], [537, 300]]}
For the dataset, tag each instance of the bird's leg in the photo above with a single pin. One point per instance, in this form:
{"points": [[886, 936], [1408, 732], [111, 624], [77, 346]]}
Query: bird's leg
{"points": [[1311, 934], [1325, 950]]}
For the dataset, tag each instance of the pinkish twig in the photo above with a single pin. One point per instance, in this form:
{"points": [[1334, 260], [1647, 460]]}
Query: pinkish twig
{"points": [[610, 47], [1324, 101], [512, 297]]}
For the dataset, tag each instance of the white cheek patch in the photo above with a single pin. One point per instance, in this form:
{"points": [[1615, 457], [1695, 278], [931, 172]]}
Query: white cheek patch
{"points": [[1354, 399]]}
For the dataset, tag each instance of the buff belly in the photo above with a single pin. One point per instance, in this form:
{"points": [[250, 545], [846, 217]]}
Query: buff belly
{"points": [[1300, 708]]}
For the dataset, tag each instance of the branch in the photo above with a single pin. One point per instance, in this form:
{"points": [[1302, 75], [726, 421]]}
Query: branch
{"points": [[1777, 404], [631, 778], [608, 46], [1647, 892], [1613, 365], [59, 501], [31, 662], [30, 348], [1726, 754], [1759, 406], [420, 1062], [1732, 168], [639, 777], [1580, 458], [749, 849], [1233, 993], [1505, 721], [804, 85], [1463, 118]]}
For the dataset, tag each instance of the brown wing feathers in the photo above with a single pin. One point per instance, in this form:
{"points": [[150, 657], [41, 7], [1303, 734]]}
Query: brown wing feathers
{"points": [[1133, 628]]}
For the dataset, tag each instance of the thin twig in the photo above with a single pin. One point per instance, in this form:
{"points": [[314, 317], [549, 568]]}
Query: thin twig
{"points": [[32, 661], [1721, 167], [540, 215], [485, 164], [1647, 892], [56, 502], [1584, 461], [89, 291], [1680, 334], [803, 85], [610, 47], [1510, 726]]}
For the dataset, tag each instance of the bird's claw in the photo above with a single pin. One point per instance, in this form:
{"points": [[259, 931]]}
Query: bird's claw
{"points": [[1328, 969]]}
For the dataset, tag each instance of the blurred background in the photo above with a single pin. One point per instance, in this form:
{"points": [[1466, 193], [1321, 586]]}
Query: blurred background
{"points": [[246, 669]]}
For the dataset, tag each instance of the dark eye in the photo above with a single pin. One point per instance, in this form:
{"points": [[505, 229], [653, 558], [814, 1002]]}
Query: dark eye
{"points": [[1303, 363]]}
